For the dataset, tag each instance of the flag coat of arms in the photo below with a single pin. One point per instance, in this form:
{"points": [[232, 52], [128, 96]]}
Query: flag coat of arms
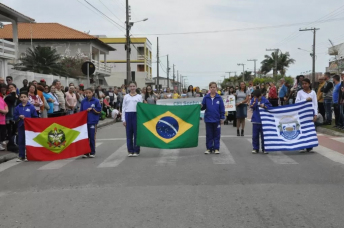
{"points": [[49, 139], [288, 128], [167, 127]]}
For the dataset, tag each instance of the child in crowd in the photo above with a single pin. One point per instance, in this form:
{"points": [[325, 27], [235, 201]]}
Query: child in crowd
{"points": [[93, 107], [3, 112], [214, 116], [129, 119], [176, 94], [116, 115], [22, 111], [258, 100]]}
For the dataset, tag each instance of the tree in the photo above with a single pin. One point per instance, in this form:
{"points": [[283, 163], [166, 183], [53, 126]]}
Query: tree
{"points": [[283, 62], [72, 65], [247, 76], [43, 60]]}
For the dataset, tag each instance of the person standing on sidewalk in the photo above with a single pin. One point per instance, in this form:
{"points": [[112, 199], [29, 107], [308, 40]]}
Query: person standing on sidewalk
{"points": [[283, 92], [3, 112], [341, 101], [335, 100], [320, 97], [273, 98], [327, 90], [214, 117]]}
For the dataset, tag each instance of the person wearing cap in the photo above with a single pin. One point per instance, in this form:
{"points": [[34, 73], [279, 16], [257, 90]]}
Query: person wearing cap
{"points": [[43, 82]]}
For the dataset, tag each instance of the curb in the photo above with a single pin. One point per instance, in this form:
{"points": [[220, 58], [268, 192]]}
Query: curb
{"points": [[329, 132], [8, 157]]}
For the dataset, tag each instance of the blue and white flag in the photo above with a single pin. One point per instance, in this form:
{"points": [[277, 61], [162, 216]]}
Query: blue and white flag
{"points": [[289, 127]]}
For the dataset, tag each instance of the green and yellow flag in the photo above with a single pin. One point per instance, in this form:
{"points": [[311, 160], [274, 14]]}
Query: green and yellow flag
{"points": [[167, 127]]}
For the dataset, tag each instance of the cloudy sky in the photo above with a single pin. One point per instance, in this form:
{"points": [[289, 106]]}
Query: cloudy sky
{"points": [[206, 57]]}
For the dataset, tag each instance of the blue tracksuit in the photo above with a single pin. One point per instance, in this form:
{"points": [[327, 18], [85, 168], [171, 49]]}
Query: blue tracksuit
{"points": [[214, 113], [92, 119], [28, 111], [256, 121]]}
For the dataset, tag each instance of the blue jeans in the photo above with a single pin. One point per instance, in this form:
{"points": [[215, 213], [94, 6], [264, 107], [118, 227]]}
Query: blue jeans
{"points": [[131, 130], [91, 136], [328, 110], [21, 141]]}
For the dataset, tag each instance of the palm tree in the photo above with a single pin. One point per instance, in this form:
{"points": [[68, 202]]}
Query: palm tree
{"points": [[283, 62], [42, 60]]}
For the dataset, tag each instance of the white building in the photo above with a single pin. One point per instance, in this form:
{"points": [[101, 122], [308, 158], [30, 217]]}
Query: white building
{"points": [[336, 64], [9, 49], [140, 61]]}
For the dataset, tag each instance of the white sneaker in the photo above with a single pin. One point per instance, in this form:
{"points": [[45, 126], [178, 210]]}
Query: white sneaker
{"points": [[85, 156], [130, 155], [302, 151], [92, 156], [2, 148], [135, 155], [207, 152], [217, 152], [254, 151]]}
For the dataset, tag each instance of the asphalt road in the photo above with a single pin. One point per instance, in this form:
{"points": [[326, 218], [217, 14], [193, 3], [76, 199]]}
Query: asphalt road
{"points": [[175, 188]]}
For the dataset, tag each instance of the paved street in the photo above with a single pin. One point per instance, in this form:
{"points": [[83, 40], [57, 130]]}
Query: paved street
{"points": [[177, 188]]}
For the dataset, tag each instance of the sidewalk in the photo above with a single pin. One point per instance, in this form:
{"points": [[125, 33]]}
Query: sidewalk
{"points": [[6, 155]]}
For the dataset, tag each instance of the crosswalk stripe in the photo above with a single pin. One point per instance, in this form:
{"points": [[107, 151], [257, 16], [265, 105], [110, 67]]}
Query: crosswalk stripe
{"points": [[116, 158], [279, 157], [8, 164], [341, 139], [168, 157], [60, 163], [225, 157], [330, 154], [201, 136]]}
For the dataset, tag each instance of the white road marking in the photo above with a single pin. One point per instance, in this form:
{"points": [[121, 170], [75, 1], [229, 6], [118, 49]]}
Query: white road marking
{"points": [[112, 139], [168, 157], [60, 163], [330, 154], [340, 139], [8, 164], [279, 157], [225, 156], [116, 158]]}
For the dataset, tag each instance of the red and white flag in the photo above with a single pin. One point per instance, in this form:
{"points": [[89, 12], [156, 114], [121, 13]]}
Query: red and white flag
{"points": [[49, 139]]}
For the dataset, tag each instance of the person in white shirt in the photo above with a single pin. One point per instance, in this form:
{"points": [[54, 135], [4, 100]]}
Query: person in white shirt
{"points": [[307, 94], [129, 119]]}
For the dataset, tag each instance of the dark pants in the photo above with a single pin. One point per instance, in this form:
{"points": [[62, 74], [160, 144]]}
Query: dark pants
{"points": [[321, 108], [21, 141], [341, 117], [92, 137], [328, 110], [282, 101], [2, 133], [257, 130], [274, 102], [131, 130], [336, 109], [213, 135]]}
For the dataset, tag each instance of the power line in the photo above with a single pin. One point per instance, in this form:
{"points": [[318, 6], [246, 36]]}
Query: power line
{"points": [[237, 30], [110, 11], [103, 14]]}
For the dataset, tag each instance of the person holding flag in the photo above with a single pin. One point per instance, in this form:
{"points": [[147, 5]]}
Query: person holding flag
{"points": [[93, 107], [214, 116]]}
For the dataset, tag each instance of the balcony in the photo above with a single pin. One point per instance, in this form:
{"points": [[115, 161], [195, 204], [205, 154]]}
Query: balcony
{"points": [[7, 49], [101, 68], [140, 57]]}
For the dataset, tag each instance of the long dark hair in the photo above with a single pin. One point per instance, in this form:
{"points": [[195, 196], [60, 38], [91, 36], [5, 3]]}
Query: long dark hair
{"points": [[191, 90], [245, 89], [309, 82], [150, 93], [33, 86]]}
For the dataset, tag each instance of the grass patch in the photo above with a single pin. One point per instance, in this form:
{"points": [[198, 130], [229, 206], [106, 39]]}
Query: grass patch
{"points": [[332, 128]]}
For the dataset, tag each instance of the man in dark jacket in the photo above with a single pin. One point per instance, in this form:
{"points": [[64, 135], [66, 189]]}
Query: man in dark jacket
{"points": [[327, 90], [341, 101]]}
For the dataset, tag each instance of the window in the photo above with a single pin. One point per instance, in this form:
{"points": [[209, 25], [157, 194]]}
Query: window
{"points": [[140, 68]]}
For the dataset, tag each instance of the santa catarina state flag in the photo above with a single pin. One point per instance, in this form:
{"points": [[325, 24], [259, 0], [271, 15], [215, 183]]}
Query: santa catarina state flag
{"points": [[49, 139], [167, 127]]}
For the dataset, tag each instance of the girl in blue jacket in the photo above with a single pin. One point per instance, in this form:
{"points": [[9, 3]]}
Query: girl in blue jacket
{"points": [[22, 111], [257, 101], [93, 107], [214, 116]]}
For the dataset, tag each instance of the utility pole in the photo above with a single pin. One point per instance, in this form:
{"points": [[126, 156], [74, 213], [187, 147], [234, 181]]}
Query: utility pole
{"points": [[276, 50], [127, 46], [174, 81], [168, 73], [157, 64], [229, 73], [178, 83], [313, 67], [243, 70], [255, 60]]}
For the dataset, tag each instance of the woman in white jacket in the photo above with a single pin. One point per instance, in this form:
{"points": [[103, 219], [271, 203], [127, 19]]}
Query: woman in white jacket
{"points": [[307, 94]]}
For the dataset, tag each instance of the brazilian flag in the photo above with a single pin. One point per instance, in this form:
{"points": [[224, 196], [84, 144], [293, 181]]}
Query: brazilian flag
{"points": [[167, 127]]}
